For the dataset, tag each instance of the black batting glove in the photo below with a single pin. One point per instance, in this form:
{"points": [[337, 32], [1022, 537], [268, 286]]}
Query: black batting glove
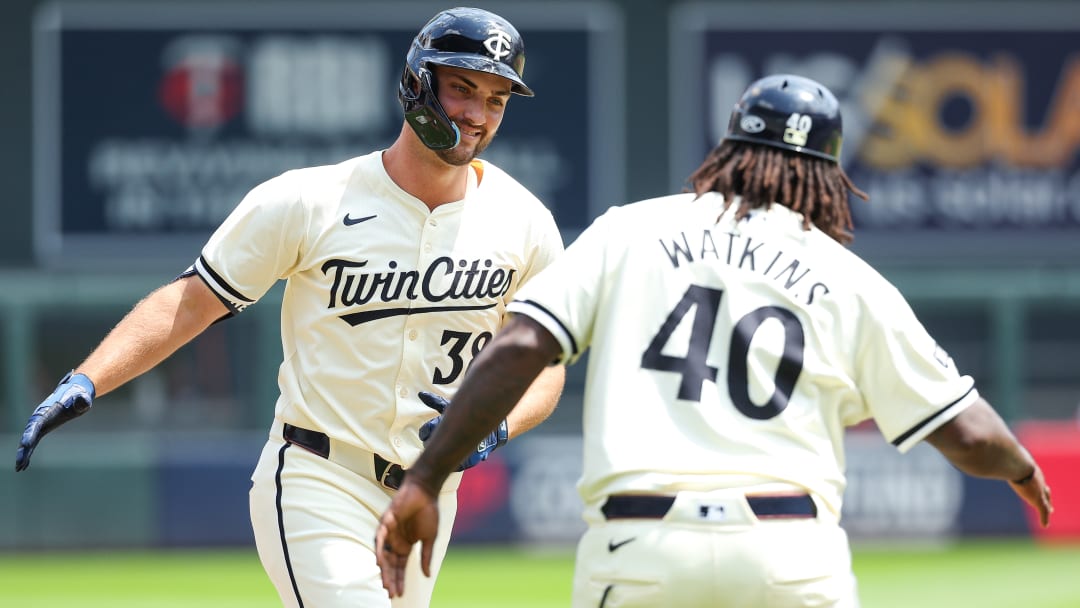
{"points": [[71, 399]]}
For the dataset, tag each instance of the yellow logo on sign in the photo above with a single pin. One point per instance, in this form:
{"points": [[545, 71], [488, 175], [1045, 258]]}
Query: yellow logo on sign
{"points": [[910, 130]]}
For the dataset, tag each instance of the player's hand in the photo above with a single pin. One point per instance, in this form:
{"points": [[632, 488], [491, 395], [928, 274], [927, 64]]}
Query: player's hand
{"points": [[1036, 493], [71, 399], [413, 515], [495, 439]]}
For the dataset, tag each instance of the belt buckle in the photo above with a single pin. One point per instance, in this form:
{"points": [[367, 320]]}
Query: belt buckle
{"points": [[388, 473], [391, 477]]}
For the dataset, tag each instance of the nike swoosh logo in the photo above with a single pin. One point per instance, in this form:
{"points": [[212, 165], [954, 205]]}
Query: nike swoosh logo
{"points": [[348, 221], [612, 546]]}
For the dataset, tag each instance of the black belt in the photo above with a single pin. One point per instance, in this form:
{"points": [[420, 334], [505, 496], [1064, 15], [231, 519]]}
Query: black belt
{"points": [[386, 472], [389, 474], [644, 506]]}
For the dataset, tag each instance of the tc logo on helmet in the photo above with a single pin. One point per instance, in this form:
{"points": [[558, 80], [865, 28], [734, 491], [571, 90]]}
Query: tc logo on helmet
{"points": [[498, 44]]}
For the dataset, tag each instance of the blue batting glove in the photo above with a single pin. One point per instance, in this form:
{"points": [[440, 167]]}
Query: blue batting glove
{"points": [[71, 399], [495, 439]]}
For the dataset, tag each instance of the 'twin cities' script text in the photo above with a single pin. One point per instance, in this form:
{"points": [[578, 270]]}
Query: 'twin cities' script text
{"points": [[469, 282]]}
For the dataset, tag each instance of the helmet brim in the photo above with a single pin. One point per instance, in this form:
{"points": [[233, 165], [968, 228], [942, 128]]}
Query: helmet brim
{"points": [[776, 144], [479, 63]]}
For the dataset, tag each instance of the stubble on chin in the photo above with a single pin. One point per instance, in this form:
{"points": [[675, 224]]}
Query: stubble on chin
{"points": [[455, 157], [458, 157]]}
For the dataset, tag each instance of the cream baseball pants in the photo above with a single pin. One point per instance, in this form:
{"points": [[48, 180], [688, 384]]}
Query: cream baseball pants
{"points": [[314, 520], [717, 549]]}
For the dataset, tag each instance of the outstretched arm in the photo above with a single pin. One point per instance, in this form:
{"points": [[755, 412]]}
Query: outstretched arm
{"points": [[168, 318], [495, 382], [158, 325], [979, 443]]}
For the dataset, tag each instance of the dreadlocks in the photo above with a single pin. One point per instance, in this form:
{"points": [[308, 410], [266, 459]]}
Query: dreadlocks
{"points": [[759, 175]]}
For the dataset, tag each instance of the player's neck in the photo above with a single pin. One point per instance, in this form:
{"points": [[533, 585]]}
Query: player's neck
{"points": [[420, 172]]}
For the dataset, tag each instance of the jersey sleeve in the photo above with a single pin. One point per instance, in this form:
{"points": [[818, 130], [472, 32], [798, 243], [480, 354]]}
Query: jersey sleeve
{"points": [[549, 245], [564, 297], [543, 243], [910, 384], [257, 244]]}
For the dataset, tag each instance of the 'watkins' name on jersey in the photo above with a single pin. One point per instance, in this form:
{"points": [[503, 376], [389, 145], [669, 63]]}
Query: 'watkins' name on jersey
{"points": [[746, 254], [472, 280]]}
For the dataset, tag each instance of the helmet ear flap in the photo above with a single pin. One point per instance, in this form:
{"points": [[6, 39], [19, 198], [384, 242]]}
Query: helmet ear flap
{"points": [[423, 112]]}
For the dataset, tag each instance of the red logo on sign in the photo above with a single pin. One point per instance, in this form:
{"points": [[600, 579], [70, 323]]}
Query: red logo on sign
{"points": [[202, 87]]}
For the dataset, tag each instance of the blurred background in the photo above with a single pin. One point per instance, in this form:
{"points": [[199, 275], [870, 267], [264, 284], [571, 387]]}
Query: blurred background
{"points": [[130, 130]]}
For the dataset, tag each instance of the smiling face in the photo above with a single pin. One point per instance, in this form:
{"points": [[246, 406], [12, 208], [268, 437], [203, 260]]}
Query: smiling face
{"points": [[475, 101]]}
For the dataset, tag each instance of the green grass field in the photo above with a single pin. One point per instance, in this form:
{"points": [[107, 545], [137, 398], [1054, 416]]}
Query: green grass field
{"points": [[991, 574]]}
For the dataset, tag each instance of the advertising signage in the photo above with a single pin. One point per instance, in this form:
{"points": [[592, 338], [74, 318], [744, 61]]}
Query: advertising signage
{"points": [[961, 123], [152, 121]]}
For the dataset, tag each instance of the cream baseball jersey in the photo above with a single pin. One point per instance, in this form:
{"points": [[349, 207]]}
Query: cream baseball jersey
{"points": [[734, 352], [383, 298]]}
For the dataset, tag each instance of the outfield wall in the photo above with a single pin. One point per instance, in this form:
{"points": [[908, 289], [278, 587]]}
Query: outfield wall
{"points": [[165, 460], [192, 491]]}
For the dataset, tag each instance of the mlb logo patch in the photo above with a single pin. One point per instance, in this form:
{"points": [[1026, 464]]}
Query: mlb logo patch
{"points": [[712, 512]]}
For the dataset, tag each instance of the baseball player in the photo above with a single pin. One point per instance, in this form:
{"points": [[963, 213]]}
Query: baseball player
{"points": [[733, 339], [399, 266]]}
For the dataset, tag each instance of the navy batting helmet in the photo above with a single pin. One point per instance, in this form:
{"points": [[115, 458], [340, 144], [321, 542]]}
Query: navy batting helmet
{"points": [[789, 112], [468, 38]]}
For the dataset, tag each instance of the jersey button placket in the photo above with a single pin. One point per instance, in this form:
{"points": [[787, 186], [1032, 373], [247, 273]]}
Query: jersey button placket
{"points": [[425, 238]]}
